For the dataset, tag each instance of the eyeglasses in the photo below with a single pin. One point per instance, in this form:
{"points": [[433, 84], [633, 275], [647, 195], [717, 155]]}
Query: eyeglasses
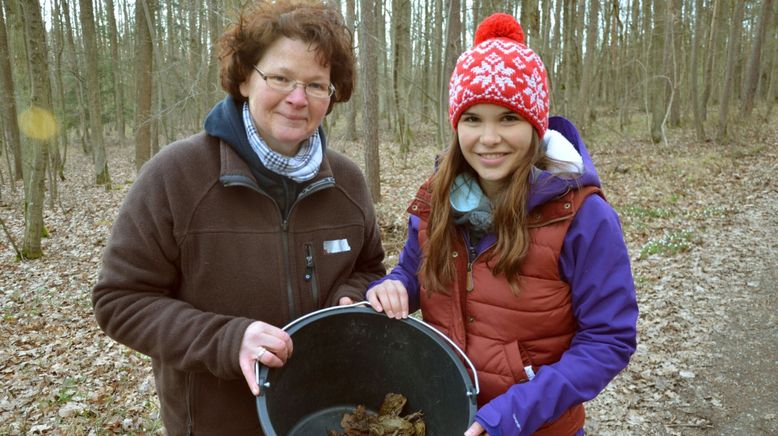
{"points": [[285, 84]]}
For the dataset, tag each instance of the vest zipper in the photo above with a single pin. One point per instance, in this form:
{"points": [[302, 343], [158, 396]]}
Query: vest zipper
{"points": [[309, 274], [471, 256], [470, 285]]}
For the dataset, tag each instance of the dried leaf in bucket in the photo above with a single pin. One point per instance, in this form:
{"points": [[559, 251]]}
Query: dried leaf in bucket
{"points": [[388, 422]]}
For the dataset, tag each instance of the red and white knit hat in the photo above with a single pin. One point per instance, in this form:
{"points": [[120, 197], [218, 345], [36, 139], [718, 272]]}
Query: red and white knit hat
{"points": [[500, 69]]}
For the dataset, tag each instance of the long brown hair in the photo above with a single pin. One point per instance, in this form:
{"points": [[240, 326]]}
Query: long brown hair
{"points": [[509, 221]]}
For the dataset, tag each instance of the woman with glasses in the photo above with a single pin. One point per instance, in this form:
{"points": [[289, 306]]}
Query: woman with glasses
{"points": [[228, 235]]}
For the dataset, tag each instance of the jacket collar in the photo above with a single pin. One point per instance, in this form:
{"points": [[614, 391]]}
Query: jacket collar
{"points": [[235, 169]]}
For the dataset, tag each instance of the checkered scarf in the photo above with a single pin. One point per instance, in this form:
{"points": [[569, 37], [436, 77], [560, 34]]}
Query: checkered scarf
{"points": [[300, 168]]}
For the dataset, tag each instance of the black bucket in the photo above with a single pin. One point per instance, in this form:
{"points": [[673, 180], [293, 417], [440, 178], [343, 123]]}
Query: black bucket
{"points": [[349, 355]]}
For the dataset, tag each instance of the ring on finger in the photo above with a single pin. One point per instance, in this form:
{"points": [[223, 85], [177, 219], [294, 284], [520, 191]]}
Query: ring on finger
{"points": [[260, 353]]}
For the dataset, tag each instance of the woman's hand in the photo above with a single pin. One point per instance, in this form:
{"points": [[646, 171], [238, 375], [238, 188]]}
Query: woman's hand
{"points": [[476, 430], [266, 343], [389, 296]]}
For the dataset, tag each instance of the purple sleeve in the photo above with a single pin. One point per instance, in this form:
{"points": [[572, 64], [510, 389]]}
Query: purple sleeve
{"points": [[408, 266], [594, 260]]}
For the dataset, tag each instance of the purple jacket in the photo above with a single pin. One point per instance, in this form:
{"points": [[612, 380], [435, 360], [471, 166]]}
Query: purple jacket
{"points": [[595, 262]]}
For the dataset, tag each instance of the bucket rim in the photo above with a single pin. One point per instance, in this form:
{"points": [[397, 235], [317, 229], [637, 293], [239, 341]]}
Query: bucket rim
{"points": [[363, 308]]}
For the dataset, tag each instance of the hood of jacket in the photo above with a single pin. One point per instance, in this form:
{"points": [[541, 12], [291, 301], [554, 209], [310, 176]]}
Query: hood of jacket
{"points": [[546, 186]]}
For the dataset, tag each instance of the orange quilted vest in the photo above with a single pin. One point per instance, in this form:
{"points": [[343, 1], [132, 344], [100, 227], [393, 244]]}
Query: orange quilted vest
{"points": [[509, 337]]}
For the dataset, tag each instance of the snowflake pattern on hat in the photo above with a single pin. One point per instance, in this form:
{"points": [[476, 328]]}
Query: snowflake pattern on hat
{"points": [[500, 71]]}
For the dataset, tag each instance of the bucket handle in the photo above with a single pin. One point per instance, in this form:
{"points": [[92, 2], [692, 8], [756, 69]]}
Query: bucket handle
{"points": [[472, 394]]}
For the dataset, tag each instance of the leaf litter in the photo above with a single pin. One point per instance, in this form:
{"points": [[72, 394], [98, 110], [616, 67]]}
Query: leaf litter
{"points": [[61, 375]]}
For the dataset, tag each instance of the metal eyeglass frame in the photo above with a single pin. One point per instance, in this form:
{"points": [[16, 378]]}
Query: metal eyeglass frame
{"points": [[294, 83]]}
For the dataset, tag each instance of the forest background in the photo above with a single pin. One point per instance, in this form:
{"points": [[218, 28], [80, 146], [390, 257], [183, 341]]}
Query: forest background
{"points": [[91, 90]]}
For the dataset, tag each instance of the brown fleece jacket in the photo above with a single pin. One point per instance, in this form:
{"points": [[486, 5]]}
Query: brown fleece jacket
{"points": [[198, 252]]}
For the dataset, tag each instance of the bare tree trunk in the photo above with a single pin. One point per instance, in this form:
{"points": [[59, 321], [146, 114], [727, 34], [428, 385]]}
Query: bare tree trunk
{"points": [[699, 128], [545, 32], [629, 65], [116, 71], [70, 45], [661, 81], [732, 51], [216, 26], [40, 110], [584, 95], [675, 26], [7, 94], [401, 16], [351, 107], [386, 108], [164, 95], [606, 58], [530, 22], [369, 57], [144, 21], [752, 76], [571, 54], [772, 91], [463, 24], [451, 53], [437, 63], [710, 52], [554, 74], [102, 177], [58, 78]]}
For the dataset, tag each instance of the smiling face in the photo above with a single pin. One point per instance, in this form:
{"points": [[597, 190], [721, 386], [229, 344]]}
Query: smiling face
{"points": [[285, 120], [494, 141]]}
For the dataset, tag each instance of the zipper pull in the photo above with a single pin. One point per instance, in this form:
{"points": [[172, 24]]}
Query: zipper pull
{"points": [[308, 264], [470, 285]]}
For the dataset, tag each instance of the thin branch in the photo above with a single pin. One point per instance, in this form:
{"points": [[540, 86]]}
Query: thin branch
{"points": [[11, 240]]}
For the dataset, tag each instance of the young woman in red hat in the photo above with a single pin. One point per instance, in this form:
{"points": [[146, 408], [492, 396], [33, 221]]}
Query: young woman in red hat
{"points": [[513, 251]]}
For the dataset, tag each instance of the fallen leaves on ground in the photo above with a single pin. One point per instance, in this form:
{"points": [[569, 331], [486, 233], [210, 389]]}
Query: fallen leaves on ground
{"points": [[59, 374]]}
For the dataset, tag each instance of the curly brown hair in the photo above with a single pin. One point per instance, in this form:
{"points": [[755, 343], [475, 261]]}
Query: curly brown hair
{"points": [[260, 24]]}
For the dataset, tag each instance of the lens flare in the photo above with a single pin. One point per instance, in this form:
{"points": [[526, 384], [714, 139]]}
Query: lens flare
{"points": [[38, 123]]}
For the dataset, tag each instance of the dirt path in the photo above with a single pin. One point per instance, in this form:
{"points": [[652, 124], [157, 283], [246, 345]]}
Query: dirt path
{"points": [[707, 360], [743, 375]]}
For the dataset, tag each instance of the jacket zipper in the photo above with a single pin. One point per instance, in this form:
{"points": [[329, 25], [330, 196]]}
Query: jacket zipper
{"points": [[472, 255], [308, 190], [287, 268], [189, 390], [310, 274]]}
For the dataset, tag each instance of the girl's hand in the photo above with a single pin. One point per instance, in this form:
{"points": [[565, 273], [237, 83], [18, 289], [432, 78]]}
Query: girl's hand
{"points": [[389, 296], [476, 430], [266, 343]]}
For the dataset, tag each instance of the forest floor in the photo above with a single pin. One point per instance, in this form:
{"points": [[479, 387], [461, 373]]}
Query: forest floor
{"points": [[700, 220]]}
